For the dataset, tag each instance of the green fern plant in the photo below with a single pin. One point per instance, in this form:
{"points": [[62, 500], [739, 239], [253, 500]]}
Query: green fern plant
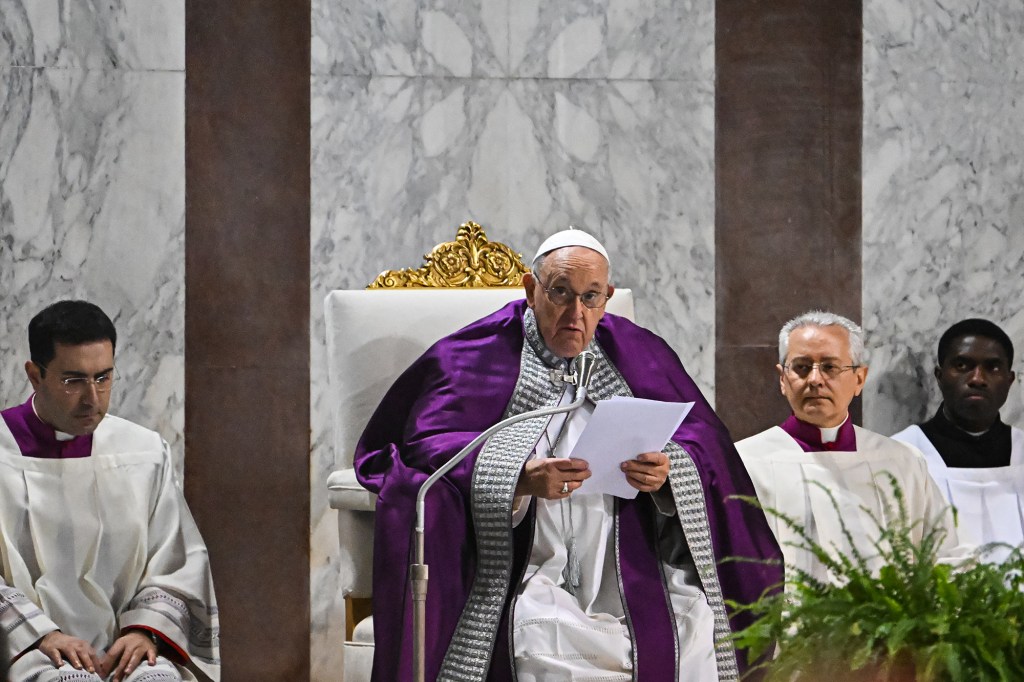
{"points": [[914, 619]]}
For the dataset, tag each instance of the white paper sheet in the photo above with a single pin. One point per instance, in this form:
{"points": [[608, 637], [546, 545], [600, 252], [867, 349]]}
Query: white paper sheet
{"points": [[620, 429]]}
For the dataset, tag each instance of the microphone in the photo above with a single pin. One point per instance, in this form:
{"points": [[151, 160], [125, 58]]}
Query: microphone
{"points": [[582, 369]]}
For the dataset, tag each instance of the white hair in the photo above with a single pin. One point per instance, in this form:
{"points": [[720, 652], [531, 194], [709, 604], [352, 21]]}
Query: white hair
{"points": [[820, 318]]}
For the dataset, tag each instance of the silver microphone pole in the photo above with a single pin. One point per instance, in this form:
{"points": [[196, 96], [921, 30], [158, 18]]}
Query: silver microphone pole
{"points": [[582, 368]]}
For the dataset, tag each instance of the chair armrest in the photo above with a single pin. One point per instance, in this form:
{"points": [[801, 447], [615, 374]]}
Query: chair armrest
{"points": [[344, 492]]}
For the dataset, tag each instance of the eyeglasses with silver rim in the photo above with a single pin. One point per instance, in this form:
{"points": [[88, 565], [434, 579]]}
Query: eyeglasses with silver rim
{"points": [[78, 384], [560, 296], [829, 370]]}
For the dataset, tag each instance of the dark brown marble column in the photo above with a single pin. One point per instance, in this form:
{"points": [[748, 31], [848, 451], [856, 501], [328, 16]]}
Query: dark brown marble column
{"points": [[788, 187], [247, 323]]}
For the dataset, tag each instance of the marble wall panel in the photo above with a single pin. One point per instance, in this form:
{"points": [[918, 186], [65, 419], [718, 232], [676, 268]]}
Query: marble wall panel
{"points": [[119, 34], [637, 39], [523, 116], [943, 204], [92, 188]]}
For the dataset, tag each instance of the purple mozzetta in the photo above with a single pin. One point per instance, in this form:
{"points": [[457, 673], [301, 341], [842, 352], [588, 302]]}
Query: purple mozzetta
{"points": [[460, 387], [808, 436], [36, 438]]}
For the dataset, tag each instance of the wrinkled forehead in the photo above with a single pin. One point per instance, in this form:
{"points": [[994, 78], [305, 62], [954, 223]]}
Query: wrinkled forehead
{"points": [[577, 263], [813, 340]]}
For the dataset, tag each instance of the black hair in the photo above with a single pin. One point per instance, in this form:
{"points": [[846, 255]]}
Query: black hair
{"points": [[974, 327], [68, 322]]}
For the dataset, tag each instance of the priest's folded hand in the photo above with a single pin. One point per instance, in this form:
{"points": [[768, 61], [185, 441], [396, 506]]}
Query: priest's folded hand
{"points": [[127, 653], [552, 478], [61, 648], [647, 472]]}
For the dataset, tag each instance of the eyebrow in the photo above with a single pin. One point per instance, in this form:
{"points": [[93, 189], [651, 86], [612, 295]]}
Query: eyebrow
{"points": [[562, 281], [72, 373], [983, 358]]}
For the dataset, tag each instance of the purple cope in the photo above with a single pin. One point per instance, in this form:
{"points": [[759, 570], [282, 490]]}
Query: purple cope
{"points": [[456, 390]]}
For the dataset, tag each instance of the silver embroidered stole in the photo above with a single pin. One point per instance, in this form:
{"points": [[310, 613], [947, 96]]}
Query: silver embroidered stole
{"points": [[495, 475]]}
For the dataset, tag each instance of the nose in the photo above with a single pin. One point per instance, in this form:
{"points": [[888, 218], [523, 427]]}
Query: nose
{"points": [[576, 307], [91, 394], [815, 376], [977, 376]]}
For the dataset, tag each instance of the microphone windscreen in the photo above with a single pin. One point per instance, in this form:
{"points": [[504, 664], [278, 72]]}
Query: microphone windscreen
{"points": [[583, 368]]}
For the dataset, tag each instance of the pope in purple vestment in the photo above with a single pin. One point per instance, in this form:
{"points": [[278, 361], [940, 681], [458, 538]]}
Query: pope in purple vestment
{"points": [[463, 385], [513, 594]]}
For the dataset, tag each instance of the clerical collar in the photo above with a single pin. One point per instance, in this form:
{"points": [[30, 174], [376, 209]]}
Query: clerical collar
{"points": [[959, 448], [829, 434], [812, 438], [973, 434], [58, 434]]}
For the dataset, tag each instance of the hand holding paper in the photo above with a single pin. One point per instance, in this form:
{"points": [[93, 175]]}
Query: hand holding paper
{"points": [[646, 472], [620, 429]]}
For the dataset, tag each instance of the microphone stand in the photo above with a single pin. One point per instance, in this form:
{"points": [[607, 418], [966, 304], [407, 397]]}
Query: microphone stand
{"points": [[582, 367]]}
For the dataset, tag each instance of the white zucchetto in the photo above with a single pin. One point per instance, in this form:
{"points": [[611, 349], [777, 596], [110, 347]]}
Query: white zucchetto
{"points": [[571, 237]]}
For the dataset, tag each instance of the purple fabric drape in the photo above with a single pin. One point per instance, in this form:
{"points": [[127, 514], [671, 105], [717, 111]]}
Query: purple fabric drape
{"points": [[36, 438], [460, 387]]}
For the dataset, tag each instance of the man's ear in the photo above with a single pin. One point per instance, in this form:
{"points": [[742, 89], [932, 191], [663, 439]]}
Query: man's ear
{"points": [[611, 290], [938, 374], [782, 378], [862, 377], [528, 286], [35, 375]]}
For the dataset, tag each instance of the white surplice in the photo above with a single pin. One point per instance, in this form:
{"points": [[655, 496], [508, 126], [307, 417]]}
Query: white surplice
{"points": [[989, 501], [790, 480], [584, 636], [97, 544]]}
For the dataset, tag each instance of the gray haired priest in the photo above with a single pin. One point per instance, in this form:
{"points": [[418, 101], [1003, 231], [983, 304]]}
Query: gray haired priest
{"points": [[818, 454], [532, 577], [104, 574]]}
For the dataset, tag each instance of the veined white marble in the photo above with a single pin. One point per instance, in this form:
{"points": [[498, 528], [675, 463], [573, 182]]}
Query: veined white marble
{"points": [[942, 198], [119, 34], [638, 39], [92, 197]]}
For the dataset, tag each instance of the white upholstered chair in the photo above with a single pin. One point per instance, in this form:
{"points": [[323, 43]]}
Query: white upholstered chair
{"points": [[373, 335]]}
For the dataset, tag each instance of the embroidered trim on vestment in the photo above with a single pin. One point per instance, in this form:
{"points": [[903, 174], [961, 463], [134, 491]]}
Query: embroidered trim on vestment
{"points": [[495, 474], [201, 628], [693, 517]]}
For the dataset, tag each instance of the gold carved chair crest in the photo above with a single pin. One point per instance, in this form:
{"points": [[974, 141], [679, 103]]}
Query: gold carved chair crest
{"points": [[471, 261]]}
